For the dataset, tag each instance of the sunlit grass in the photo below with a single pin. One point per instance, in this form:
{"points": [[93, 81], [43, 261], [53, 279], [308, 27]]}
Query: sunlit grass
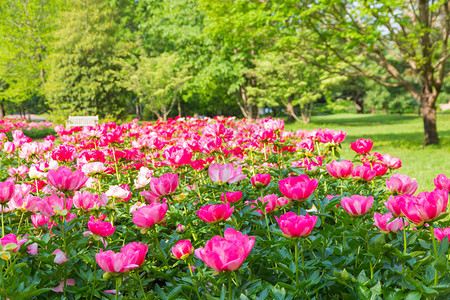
{"points": [[401, 136]]}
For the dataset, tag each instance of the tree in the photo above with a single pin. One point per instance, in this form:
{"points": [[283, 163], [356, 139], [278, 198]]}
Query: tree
{"points": [[157, 81], [405, 38], [25, 32], [85, 61]]}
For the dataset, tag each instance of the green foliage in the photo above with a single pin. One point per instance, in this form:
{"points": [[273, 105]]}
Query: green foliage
{"points": [[84, 62]]}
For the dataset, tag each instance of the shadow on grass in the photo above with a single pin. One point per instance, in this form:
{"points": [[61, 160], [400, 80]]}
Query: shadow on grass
{"points": [[363, 120], [410, 140]]}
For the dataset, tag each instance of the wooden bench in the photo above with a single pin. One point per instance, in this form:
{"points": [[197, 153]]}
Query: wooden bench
{"points": [[80, 121]]}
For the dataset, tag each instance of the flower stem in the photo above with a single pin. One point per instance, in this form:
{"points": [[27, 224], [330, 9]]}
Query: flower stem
{"points": [[370, 259], [140, 284], [303, 257], [117, 287], [268, 228], [433, 239], [95, 273], [3, 224], [230, 294], [296, 261], [115, 165]]}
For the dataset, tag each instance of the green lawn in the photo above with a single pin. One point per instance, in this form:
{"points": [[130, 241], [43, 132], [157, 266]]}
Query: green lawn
{"points": [[401, 136]]}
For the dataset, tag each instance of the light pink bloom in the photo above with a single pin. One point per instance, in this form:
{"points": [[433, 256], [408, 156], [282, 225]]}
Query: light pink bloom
{"points": [[357, 205], [215, 213], [60, 256], [426, 206], [340, 169], [93, 168], [442, 182], [381, 221], [180, 228], [363, 173], [391, 162], [87, 201], [164, 185], [130, 257], [225, 173], [39, 220], [118, 192], [149, 215], [298, 188], [231, 197], [401, 184], [182, 249], [63, 179], [261, 180], [296, 226], [51, 205], [227, 253], [9, 147], [177, 155], [59, 288]]}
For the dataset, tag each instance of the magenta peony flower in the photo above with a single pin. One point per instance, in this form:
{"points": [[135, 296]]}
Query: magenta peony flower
{"points": [[149, 215], [442, 182], [7, 189], [340, 169], [54, 205], [298, 188], [139, 249], [357, 205], [401, 184], [165, 185], [261, 180], [231, 197], [426, 206], [381, 221], [129, 258], [396, 203], [441, 233], [63, 179], [215, 213], [182, 249], [227, 253], [100, 228], [362, 146], [294, 226]]}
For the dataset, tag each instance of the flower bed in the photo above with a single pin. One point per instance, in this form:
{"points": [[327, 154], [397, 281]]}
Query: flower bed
{"points": [[215, 208]]}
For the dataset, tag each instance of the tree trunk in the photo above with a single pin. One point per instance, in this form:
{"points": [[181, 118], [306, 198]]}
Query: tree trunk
{"points": [[429, 122], [179, 107], [290, 111], [2, 111], [359, 104]]}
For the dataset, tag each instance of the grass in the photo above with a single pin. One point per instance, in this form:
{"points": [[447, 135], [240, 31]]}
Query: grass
{"points": [[400, 136]]}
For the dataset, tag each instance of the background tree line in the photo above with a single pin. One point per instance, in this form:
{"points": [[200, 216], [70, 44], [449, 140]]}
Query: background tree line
{"points": [[160, 58]]}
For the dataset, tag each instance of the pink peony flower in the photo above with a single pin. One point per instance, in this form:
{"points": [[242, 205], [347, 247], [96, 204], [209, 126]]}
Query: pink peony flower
{"points": [[340, 169], [261, 180], [87, 201], [149, 215], [381, 221], [442, 182], [391, 162], [177, 155], [100, 228], [363, 173], [225, 173], [298, 188], [215, 213], [231, 197], [396, 203], [401, 184], [227, 253], [362, 146], [7, 189], [426, 206], [52, 205], [139, 249], [182, 249], [357, 205], [60, 256], [63, 179], [165, 185], [294, 226], [441, 233], [11, 239], [59, 288]]}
